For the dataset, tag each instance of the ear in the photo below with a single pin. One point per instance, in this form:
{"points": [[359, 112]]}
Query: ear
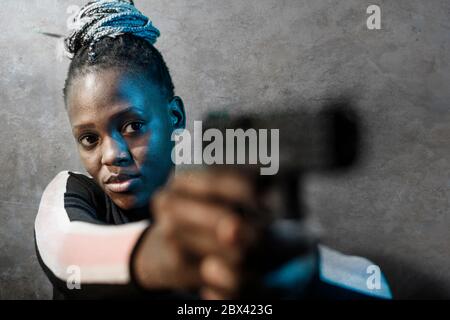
{"points": [[176, 113]]}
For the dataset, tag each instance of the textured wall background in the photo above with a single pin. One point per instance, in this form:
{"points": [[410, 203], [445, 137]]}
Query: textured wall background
{"points": [[254, 54]]}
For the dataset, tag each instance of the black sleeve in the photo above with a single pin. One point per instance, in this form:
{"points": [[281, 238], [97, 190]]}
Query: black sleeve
{"points": [[75, 247]]}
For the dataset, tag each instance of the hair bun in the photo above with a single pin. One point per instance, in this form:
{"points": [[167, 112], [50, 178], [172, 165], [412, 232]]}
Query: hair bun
{"points": [[108, 18]]}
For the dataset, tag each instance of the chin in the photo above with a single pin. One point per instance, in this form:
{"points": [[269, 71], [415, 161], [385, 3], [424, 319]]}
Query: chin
{"points": [[128, 201], [138, 199]]}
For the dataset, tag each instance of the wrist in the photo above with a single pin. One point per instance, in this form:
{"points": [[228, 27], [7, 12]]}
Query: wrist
{"points": [[138, 265]]}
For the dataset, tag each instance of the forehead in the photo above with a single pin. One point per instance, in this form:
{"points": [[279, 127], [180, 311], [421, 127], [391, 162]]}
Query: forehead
{"points": [[97, 94]]}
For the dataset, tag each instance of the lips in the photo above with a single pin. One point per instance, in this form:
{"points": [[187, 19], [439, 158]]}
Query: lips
{"points": [[119, 183]]}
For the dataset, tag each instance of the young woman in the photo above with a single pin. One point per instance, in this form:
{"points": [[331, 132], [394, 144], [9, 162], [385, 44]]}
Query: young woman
{"points": [[99, 236]]}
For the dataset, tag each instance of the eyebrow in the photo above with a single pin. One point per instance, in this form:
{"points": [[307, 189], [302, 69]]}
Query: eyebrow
{"points": [[131, 109]]}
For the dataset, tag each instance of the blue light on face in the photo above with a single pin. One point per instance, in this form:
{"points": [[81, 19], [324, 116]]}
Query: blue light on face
{"points": [[108, 101], [152, 154]]}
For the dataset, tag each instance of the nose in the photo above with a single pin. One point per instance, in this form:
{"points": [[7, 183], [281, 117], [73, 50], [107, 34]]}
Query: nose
{"points": [[115, 151]]}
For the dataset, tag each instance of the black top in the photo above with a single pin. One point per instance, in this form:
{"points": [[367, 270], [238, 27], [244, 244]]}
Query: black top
{"points": [[61, 242], [85, 201]]}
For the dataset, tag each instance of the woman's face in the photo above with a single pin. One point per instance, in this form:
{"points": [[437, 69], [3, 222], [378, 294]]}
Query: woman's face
{"points": [[123, 123]]}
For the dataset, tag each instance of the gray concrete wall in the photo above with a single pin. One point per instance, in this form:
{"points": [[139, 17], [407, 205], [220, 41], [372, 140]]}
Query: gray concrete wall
{"points": [[252, 54]]}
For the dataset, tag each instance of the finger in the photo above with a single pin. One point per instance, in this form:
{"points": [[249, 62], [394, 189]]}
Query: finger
{"points": [[188, 273], [158, 204], [204, 228], [220, 274], [164, 264], [236, 232], [202, 235], [208, 293], [202, 245], [226, 184], [207, 225], [185, 267], [199, 216]]}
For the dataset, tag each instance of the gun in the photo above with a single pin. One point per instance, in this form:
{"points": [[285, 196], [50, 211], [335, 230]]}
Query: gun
{"points": [[323, 140]]}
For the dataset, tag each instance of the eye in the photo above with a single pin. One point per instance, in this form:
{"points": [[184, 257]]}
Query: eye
{"points": [[88, 140], [133, 127]]}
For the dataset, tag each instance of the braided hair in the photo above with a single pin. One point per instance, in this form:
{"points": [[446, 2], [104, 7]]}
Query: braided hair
{"points": [[114, 34]]}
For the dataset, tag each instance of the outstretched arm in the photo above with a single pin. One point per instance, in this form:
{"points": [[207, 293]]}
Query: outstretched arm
{"points": [[84, 249]]}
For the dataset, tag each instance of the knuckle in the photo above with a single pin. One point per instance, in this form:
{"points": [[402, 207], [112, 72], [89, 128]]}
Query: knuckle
{"points": [[169, 231], [176, 259], [165, 204], [158, 201]]}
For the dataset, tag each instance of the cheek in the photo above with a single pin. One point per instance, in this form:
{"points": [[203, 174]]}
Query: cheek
{"points": [[140, 154], [151, 150], [91, 162], [140, 149]]}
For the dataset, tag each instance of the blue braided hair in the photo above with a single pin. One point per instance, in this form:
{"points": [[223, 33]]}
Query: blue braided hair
{"points": [[111, 18], [114, 33]]}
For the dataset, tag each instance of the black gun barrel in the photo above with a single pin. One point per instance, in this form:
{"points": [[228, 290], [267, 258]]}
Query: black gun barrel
{"points": [[308, 140]]}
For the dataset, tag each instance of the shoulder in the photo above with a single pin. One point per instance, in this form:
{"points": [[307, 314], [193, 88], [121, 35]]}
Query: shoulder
{"points": [[64, 177], [72, 181], [77, 180], [75, 194], [54, 191], [353, 273]]}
